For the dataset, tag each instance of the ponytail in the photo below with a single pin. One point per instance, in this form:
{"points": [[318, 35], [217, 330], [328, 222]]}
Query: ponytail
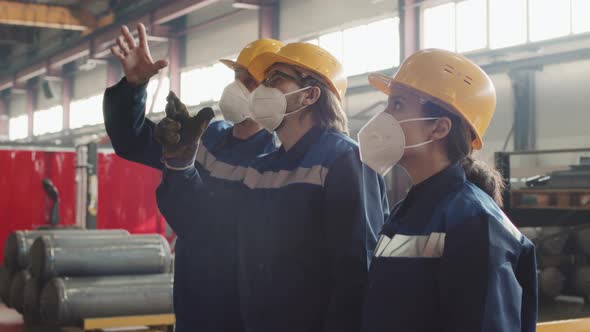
{"points": [[485, 177], [459, 149]]}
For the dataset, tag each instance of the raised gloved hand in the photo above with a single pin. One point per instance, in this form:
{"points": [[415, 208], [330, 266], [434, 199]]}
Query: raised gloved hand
{"points": [[179, 133]]}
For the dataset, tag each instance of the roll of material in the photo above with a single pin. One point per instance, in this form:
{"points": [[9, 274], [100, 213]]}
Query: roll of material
{"points": [[552, 240], [99, 256], [18, 244], [582, 240], [581, 280], [551, 282], [67, 301], [32, 295], [17, 290], [6, 276]]}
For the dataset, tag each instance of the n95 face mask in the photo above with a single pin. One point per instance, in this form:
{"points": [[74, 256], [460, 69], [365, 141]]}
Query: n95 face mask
{"points": [[268, 106], [382, 141], [234, 102]]}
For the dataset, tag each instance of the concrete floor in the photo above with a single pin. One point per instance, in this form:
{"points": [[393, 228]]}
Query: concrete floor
{"points": [[10, 320]]}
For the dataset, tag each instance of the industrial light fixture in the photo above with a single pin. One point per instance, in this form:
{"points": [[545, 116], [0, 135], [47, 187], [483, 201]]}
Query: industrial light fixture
{"points": [[88, 64], [242, 4]]}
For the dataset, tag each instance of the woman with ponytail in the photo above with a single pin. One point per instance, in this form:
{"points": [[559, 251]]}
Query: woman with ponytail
{"points": [[448, 258]]}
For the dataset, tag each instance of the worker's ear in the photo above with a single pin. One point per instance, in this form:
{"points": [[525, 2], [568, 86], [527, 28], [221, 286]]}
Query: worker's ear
{"points": [[312, 95], [441, 128]]}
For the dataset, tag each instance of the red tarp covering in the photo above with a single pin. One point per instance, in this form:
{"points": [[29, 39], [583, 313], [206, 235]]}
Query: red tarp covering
{"points": [[126, 192], [127, 196]]}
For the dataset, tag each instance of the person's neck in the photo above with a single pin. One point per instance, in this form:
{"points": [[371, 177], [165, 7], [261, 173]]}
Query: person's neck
{"points": [[293, 129], [246, 129], [421, 169]]}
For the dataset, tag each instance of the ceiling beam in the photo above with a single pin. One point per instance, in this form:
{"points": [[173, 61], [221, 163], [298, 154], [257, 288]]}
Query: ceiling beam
{"points": [[179, 8], [96, 44], [44, 16]]}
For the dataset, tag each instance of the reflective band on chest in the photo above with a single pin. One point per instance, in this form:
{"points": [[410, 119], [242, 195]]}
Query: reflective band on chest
{"points": [[426, 246], [253, 179]]}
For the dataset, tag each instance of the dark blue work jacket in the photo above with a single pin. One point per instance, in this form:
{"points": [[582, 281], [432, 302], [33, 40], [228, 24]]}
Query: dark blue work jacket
{"points": [[307, 223], [448, 259], [205, 283]]}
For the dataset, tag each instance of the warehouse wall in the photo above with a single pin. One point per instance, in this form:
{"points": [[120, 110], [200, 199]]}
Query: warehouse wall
{"points": [[90, 83], [563, 110], [558, 87], [562, 113], [17, 104], [502, 121], [222, 38], [43, 102]]}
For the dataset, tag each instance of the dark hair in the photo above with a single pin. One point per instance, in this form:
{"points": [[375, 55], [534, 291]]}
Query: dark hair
{"points": [[459, 149]]}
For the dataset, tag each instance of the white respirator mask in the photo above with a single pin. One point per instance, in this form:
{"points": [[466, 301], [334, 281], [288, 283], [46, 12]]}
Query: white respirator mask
{"points": [[234, 102], [382, 141], [268, 106]]}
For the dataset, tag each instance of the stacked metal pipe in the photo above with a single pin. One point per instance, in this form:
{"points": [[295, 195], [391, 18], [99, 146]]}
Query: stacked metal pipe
{"points": [[15, 274], [16, 248], [101, 256], [67, 301], [563, 256]]}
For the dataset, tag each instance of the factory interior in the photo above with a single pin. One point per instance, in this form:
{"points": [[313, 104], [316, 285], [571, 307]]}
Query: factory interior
{"points": [[153, 178]]}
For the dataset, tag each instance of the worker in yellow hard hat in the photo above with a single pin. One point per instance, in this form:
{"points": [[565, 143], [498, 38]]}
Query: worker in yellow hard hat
{"points": [[205, 284], [308, 213], [448, 258]]}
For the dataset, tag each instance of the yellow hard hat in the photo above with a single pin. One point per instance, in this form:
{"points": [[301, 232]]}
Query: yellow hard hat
{"points": [[251, 51], [450, 80], [306, 56]]}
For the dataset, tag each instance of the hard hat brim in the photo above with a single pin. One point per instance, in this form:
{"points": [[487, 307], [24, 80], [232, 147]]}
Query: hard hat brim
{"points": [[229, 63], [262, 63], [386, 84]]}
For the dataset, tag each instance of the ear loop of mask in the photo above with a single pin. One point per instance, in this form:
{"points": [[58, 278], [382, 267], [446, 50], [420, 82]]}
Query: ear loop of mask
{"points": [[413, 120], [286, 94], [293, 92]]}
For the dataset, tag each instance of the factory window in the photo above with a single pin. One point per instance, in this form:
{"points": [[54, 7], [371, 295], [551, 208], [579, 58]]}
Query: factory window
{"points": [[439, 27], [472, 27], [204, 84], [18, 127], [457, 27], [580, 21], [541, 12], [160, 101], [383, 44], [333, 43], [508, 23], [355, 50], [86, 112], [467, 25], [364, 48], [48, 121]]}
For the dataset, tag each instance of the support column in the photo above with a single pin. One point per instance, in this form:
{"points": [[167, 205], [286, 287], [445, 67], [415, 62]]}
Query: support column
{"points": [[66, 99], [523, 86], [4, 118], [409, 27], [31, 97], [268, 20]]}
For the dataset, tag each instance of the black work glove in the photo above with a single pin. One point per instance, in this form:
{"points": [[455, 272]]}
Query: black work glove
{"points": [[179, 133]]}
